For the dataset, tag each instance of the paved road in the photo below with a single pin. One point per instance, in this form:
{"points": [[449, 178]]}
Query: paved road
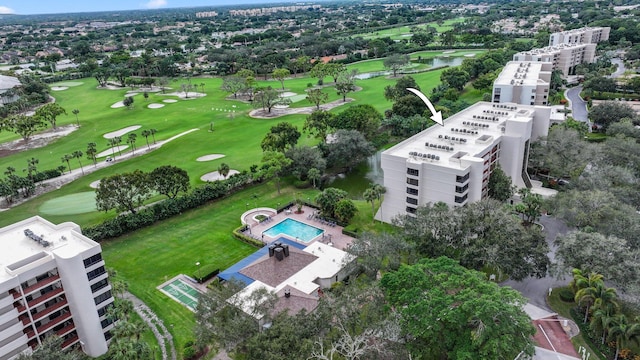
{"points": [[536, 289], [578, 106], [620, 70]]}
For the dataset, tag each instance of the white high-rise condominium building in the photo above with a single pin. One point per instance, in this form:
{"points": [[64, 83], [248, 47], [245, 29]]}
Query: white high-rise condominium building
{"points": [[452, 163], [563, 57], [52, 281], [523, 82], [585, 35]]}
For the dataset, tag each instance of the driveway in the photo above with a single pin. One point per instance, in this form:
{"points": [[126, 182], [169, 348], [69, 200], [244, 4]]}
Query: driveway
{"points": [[534, 289], [620, 70], [578, 106]]}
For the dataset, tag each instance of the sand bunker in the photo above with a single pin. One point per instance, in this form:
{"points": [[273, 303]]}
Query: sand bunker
{"points": [[68, 84], [448, 51], [169, 101], [182, 95], [110, 152], [121, 132], [155, 106], [130, 94], [470, 55], [210, 157], [59, 88], [119, 104], [95, 184], [287, 94], [215, 176]]}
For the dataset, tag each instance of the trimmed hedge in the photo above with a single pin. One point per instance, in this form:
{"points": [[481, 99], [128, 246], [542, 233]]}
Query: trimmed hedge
{"points": [[566, 294], [206, 272], [168, 208], [237, 233]]}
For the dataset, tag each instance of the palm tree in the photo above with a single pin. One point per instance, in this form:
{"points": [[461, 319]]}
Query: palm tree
{"points": [[587, 296], [601, 321], [91, 152], [146, 134], [605, 299], [76, 112], [623, 333], [370, 196], [153, 134], [224, 169], [314, 175], [66, 159], [78, 154], [113, 143], [131, 140], [118, 141]]}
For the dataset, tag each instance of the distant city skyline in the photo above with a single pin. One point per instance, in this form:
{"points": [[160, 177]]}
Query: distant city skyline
{"points": [[33, 7]]}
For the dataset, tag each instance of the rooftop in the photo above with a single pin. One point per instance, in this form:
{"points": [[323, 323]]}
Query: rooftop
{"points": [[554, 48], [46, 242], [468, 132], [520, 73], [578, 31]]}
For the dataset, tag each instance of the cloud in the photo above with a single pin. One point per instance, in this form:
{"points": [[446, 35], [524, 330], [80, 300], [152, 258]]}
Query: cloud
{"points": [[154, 4], [7, 10]]}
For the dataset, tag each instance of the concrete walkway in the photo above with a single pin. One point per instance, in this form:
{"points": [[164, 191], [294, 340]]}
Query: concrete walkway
{"points": [[156, 325]]}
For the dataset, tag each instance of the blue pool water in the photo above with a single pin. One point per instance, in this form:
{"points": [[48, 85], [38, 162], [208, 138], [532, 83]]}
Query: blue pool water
{"points": [[294, 229]]}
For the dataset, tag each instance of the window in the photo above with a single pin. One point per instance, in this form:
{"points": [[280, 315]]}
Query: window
{"points": [[95, 273], [102, 297], [413, 172], [412, 182], [412, 201], [99, 285], [411, 210], [461, 199], [106, 322], [103, 310], [461, 189], [92, 260], [462, 179], [412, 191]]}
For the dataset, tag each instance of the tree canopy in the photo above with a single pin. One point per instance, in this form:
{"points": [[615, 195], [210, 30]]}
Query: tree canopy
{"points": [[281, 137], [449, 312]]}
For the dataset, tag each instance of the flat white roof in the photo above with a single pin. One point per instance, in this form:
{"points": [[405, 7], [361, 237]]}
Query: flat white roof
{"points": [[64, 240], [521, 73], [580, 30], [554, 48], [461, 134]]}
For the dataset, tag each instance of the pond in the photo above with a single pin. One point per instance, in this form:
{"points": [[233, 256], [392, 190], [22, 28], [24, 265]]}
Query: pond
{"points": [[360, 178], [437, 62]]}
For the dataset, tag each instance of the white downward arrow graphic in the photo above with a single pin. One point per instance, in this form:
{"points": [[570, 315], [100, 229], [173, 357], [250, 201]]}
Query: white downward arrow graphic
{"points": [[437, 115]]}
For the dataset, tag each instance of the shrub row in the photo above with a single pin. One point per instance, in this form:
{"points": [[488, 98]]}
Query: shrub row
{"points": [[206, 272], [46, 175], [587, 334], [165, 209], [238, 234]]}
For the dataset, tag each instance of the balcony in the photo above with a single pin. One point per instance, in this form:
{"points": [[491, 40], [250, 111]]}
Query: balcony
{"points": [[52, 323], [40, 284], [65, 330], [45, 297], [49, 310], [70, 341]]}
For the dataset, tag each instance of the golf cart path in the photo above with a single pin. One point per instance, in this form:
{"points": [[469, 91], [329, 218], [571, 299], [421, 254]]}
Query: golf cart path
{"points": [[44, 187], [278, 112]]}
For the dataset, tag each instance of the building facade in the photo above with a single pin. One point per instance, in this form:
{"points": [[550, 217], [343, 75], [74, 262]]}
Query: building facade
{"points": [[452, 163], [523, 82], [563, 57], [52, 281], [585, 35]]}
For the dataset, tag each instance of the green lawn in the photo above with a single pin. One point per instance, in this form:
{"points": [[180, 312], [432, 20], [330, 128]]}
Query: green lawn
{"points": [[404, 32], [148, 257]]}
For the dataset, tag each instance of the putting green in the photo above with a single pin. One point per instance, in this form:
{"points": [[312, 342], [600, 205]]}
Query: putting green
{"points": [[79, 203]]}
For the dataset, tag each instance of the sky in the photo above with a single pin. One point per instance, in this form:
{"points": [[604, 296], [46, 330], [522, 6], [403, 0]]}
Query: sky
{"points": [[30, 7]]}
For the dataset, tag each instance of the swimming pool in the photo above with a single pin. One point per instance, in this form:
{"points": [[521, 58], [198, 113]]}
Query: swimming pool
{"points": [[294, 229]]}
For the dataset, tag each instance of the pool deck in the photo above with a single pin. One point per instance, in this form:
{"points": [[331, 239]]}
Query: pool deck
{"points": [[332, 234]]}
